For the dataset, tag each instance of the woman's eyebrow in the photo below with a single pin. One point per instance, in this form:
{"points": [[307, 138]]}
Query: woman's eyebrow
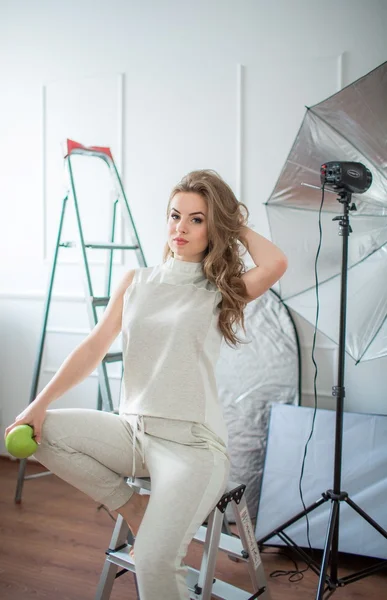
{"points": [[190, 214]]}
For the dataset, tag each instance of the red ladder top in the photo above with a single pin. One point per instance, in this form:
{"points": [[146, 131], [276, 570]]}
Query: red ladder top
{"points": [[73, 146]]}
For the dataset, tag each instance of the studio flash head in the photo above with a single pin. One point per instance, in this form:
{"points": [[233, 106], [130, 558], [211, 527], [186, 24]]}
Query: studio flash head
{"points": [[350, 176]]}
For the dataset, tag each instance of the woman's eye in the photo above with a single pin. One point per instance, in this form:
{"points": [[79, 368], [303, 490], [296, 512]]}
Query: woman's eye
{"points": [[195, 219]]}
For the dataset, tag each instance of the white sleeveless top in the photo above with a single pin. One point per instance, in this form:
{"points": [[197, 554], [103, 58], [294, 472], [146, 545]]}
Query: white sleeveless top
{"points": [[171, 343]]}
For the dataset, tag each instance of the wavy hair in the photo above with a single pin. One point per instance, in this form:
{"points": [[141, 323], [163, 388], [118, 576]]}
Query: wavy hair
{"points": [[222, 263]]}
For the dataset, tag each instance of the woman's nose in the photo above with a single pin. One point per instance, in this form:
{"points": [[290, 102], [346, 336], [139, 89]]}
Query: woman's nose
{"points": [[181, 227]]}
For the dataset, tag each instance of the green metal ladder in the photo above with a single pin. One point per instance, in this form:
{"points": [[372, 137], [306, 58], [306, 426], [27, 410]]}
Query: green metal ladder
{"points": [[104, 401]]}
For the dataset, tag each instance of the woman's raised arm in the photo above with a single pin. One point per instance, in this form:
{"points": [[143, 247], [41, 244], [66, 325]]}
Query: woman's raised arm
{"points": [[271, 263]]}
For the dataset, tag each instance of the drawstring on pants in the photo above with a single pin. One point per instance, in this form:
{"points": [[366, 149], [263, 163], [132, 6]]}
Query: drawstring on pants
{"points": [[138, 424]]}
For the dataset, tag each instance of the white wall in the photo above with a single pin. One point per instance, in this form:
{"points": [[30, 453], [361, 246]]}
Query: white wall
{"points": [[161, 84]]}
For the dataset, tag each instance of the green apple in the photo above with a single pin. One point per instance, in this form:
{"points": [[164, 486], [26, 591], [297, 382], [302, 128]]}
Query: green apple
{"points": [[20, 443]]}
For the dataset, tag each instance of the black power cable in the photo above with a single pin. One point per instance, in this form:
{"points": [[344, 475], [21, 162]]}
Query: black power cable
{"points": [[298, 574]]}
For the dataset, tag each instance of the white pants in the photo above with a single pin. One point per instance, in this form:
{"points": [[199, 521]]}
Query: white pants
{"points": [[188, 466]]}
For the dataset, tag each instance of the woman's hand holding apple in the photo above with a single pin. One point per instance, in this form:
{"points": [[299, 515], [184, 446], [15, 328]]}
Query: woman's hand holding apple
{"points": [[34, 416]]}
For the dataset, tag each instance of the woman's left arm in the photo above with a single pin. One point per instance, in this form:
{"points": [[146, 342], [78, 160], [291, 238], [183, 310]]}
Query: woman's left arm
{"points": [[271, 263]]}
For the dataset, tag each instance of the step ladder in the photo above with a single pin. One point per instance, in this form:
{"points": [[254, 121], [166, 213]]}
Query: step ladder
{"points": [[201, 584], [104, 401]]}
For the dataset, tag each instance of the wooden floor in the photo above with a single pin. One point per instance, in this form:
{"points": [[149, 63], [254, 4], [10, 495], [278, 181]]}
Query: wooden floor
{"points": [[52, 547]]}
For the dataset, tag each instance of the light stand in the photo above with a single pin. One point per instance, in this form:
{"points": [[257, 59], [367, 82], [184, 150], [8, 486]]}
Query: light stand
{"points": [[329, 583]]}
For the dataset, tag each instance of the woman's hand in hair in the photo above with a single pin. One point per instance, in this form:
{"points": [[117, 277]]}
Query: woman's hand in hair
{"points": [[271, 263]]}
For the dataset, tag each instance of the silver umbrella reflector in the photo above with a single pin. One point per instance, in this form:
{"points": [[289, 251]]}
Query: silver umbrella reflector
{"points": [[349, 126]]}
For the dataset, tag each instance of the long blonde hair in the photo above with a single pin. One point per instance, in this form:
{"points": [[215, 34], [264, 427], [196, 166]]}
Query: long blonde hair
{"points": [[222, 264]]}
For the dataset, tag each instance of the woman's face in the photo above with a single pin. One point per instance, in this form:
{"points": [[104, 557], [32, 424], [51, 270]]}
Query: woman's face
{"points": [[188, 220]]}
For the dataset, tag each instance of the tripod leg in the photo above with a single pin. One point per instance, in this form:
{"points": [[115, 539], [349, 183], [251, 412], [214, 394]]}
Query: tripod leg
{"points": [[335, 547], [292, 520], [327, 549], [369, 520]]}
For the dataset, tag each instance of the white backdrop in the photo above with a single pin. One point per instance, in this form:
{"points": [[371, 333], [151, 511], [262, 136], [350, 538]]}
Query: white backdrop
{"points": [[363, 478]]}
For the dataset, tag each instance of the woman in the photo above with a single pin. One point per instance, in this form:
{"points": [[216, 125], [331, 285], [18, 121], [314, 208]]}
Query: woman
{"points": [[170, 425]]}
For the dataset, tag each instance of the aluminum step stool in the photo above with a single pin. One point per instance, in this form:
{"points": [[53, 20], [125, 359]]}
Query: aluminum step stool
{"points": [[201, 584]]}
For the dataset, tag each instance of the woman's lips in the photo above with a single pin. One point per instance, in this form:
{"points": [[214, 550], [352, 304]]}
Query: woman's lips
{"points": [[180, 242]]}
